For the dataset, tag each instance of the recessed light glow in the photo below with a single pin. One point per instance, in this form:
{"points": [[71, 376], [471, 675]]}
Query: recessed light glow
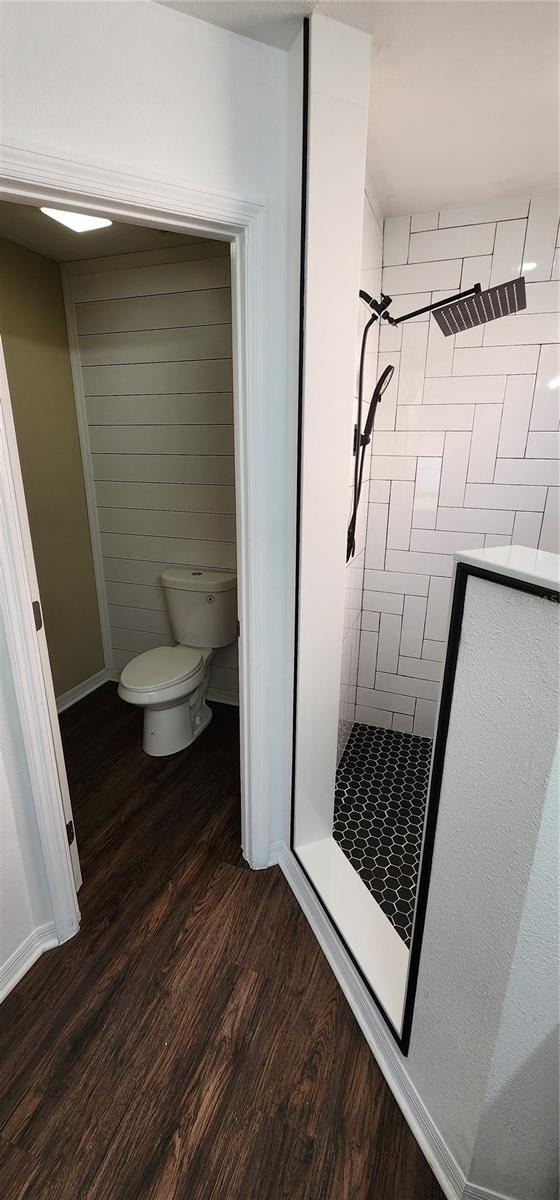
{"points": [[528, 266], [555, 383], [79, 222]]}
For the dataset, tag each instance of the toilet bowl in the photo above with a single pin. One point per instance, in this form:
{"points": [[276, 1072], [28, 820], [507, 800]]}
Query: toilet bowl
{"points": [[171, 682]]}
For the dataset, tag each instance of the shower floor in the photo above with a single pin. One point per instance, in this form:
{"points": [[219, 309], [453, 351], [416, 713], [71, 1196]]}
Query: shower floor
{"points": [[380, 800]]}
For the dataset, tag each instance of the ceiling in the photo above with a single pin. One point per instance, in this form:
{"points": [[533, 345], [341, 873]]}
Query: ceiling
{"points": [[464, 93], [28, 226]]}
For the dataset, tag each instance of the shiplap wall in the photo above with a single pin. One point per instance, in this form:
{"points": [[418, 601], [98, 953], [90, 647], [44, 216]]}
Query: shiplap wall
{"points": [[466, 442], [155, 349]]}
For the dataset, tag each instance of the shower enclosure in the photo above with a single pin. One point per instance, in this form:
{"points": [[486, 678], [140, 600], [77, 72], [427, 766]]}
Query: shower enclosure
{"points": [[359, 790], [373, 571]]}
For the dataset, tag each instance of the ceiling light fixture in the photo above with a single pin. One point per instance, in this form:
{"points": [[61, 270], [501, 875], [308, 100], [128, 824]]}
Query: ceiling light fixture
{"points": [[79, 222]]}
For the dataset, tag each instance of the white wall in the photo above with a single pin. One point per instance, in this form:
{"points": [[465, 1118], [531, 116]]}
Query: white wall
{"points": [[499, 756], [338, 98], [155, 353], [137, 86], [24, 900], [465, 453], [370, 281]]}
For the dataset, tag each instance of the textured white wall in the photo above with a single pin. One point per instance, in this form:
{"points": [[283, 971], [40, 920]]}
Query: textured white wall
{"points": [[465, 453], [499, 756], [370, 281], [517, 1146]]}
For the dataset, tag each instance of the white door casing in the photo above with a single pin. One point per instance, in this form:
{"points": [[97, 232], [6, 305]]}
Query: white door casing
{"points": [[29, 658], [29, 177]]}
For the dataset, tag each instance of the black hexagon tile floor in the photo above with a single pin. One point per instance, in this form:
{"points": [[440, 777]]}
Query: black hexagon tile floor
{"points": [[380, 799]]}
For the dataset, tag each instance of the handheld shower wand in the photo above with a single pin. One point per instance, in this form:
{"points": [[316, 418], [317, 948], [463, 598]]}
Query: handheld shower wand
{"points": [[362, 441]]}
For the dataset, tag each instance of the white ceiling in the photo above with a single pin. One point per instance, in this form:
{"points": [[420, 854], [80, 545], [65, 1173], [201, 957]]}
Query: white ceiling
{"points": [[464, 93], [28, 226]]}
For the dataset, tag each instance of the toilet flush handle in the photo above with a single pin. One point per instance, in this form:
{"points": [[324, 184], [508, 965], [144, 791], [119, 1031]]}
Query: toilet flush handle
{"points": [[210, 599]]}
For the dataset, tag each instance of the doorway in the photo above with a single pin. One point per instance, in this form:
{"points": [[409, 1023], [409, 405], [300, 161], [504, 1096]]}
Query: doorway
{"points": [[52, 833], [133, 477]]}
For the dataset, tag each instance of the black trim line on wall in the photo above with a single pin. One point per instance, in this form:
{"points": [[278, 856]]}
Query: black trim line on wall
{"points": [[302, 252]]}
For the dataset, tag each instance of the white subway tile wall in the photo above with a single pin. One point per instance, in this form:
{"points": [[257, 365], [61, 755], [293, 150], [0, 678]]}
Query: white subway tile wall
{"points": [[467, 453], [155, 348]]}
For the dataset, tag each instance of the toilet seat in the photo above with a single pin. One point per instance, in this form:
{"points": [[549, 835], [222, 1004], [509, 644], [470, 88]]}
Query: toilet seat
{"points": [[162, 668]]}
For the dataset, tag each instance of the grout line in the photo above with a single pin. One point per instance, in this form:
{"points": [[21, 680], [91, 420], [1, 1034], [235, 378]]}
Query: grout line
{"points": [[170, 537], [536, 376], [525, 239], [497, 454], [160, 454], [183, 242], [471, 224], [148, 295], [151, 561], [152, 395], [151, 362], [184, 328], [541, 516], [188, 512], [156, 252], [160, 425], [161, 482]]}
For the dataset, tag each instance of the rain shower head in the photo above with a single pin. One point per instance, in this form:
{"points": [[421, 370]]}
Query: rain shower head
{"points": [[480, 307]]}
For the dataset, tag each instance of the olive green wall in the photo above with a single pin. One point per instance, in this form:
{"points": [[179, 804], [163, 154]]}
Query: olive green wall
{"points": [[33, 331]]}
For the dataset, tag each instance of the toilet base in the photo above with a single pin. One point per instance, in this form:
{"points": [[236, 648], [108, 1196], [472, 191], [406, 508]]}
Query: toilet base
{"points": [[169, 729]]}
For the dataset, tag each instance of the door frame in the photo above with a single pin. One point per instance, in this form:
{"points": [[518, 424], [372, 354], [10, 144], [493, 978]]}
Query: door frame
{"points": [[29, 661], [27, 177]]}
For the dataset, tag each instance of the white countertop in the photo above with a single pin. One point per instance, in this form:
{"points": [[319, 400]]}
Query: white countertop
{"points": [[519, 562]]}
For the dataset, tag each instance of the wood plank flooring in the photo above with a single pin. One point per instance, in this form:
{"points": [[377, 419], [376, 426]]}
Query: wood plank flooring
{"points": [[191, 1042]]}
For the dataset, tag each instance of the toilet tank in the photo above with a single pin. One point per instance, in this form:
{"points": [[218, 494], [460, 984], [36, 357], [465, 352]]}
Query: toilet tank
{"points": [[202, 605]]}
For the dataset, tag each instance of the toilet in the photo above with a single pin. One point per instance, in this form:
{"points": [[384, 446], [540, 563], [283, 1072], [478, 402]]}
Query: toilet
{"points": [[171, 682]]}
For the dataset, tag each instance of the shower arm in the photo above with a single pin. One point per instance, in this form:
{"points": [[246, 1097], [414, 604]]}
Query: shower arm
{"points": [[386, 301]]}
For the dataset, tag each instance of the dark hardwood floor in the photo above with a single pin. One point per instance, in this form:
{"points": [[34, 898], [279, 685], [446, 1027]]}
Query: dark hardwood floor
{"points": [[191, 1042]]}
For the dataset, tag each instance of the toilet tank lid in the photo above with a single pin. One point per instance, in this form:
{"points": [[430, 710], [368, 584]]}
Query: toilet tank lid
{"points": [[194, 579]]}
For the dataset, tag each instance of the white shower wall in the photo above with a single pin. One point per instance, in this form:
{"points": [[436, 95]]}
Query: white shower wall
{"points": [[466, 442], [370, 281]]}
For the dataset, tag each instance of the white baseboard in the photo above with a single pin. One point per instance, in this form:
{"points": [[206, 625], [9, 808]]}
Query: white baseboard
{"points": [[41, 939], [446, 1169], [81, 690], [223, 697], [275, 853]]}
